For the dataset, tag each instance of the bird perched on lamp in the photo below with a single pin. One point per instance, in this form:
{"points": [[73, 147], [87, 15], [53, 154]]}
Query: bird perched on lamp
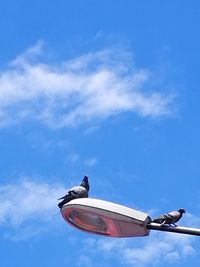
{"points": [[170, 218], [79, 191]]}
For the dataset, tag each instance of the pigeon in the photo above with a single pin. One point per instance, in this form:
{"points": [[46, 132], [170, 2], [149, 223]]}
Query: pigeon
{"points": [[79, 191], [170, 218]]}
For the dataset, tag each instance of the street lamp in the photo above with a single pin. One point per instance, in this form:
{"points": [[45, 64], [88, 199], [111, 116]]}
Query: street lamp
{"points": [[105, 218], [110, 219]]}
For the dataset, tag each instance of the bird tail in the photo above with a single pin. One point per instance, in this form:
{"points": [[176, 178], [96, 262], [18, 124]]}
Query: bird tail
{"points": [[60, 198], [85, 183]]}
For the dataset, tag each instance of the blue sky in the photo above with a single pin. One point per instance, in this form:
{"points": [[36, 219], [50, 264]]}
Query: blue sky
{"points": [[108, 89]]}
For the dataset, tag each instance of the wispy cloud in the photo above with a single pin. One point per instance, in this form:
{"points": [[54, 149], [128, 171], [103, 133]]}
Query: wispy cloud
{"points": [[93, 86], [26, 200], [90, 162], [28, 207], [170, 248], [74, 158], [158, 248]]}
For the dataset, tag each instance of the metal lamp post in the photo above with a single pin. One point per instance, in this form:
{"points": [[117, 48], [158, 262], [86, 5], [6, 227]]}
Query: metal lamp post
{"points": [[109, 219], [177, 229]]}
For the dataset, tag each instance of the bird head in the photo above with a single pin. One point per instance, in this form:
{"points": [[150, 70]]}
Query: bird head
{"points": [[85, 183], [181, 211]]}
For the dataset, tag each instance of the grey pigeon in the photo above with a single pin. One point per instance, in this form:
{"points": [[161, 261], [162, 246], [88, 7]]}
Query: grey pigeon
{"points": [[79, 191], [170, 218]]}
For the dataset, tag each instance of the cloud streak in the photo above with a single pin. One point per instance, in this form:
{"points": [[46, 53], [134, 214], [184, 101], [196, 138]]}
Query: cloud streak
{"points": [[166, 247], [28, 208], [91, 87], [158, 248]]}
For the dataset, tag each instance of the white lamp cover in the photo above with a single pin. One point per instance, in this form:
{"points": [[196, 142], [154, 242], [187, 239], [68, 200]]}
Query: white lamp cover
{"points": [[105, 218]]}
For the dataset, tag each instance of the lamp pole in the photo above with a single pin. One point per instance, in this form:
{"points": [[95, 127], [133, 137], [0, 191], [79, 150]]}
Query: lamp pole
{"points": [[173, 229]]}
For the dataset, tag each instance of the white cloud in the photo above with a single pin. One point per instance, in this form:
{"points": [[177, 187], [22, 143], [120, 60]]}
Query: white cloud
{"points": [[90, 162], [73, 158], [161, 247], [93, 86], [158, 248], [28, 206]]}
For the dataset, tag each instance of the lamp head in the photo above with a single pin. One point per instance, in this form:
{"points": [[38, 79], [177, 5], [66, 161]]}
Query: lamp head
{"points": [[105, 218]]}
